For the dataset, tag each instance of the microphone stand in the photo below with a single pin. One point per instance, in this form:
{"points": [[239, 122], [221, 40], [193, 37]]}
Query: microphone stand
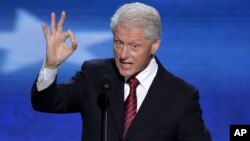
{"points": [[105, 118], [106, 87]]}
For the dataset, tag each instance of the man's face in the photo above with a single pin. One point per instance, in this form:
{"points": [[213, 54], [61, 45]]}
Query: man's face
{"points": [[132, 51]]}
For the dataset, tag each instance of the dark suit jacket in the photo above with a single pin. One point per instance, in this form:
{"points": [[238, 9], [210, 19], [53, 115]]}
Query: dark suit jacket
{"points": [[169, 112]]}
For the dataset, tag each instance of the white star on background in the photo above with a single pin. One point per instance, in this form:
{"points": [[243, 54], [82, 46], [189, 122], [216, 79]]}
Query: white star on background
{"points": [[25, 45]]}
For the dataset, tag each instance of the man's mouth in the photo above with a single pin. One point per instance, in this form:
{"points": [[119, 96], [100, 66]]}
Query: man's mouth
{"points": [[125, 65]]}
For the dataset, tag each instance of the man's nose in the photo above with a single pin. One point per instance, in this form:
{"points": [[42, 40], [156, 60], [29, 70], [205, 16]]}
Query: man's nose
{"points": [[125, 52]]}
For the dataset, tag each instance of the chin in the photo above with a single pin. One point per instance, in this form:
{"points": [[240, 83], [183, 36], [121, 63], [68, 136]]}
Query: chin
{"points": [[125, 73]]}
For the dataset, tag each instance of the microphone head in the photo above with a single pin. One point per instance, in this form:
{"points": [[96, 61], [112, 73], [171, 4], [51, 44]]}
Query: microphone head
{"points": [[106, 84]]}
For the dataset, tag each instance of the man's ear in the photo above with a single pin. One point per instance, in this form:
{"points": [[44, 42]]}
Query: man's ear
{"points": [[155, 45]]}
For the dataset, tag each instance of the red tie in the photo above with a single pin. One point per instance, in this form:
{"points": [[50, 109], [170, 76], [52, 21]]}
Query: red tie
{"points": [[130, 104]]}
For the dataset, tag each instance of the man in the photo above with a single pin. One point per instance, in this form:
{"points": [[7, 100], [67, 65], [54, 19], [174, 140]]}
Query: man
{"points": [[146, 102]]}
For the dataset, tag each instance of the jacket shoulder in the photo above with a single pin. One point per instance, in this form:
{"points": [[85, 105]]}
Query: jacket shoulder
{"points": [[99, 67], [98, 63], [172, 82]]}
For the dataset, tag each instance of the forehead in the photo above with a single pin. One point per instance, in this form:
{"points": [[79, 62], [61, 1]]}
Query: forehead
{"points": [[129, 34]]}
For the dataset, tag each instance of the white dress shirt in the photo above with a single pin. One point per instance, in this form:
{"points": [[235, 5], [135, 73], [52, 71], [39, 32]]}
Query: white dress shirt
{"points": [[145, 78], [47, 76]]}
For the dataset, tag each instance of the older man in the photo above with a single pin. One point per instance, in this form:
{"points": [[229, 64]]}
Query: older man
{"points": [[146, 102]]}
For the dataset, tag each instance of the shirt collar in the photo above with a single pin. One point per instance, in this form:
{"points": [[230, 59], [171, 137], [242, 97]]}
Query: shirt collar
{"points": [[147, 75]]}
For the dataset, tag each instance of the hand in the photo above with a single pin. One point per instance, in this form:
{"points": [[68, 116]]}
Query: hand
{"points": [[57, 50]]}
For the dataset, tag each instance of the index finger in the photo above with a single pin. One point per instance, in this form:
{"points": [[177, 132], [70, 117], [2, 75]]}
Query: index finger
{"points": [[72, 39]]}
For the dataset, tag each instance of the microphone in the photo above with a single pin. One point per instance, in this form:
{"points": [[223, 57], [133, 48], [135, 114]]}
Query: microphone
{"points": [[106, 83], [106, 86]]}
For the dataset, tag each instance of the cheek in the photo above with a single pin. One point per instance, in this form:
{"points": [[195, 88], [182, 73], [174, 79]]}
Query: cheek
{"points": [[117, 51], [142, 59], [114, 51]]}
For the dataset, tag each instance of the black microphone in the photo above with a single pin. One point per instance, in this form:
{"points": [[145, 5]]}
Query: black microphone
{"points": [[106, 86], [106, 83]]}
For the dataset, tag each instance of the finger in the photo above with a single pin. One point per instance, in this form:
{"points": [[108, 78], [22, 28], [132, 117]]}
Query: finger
{"points": [[72, 39], [66, 35], [61, 22], [53, 23], [45, 31]]}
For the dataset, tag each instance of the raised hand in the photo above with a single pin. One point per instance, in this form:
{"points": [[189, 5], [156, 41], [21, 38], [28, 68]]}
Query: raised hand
{"points": [[57, 50]]}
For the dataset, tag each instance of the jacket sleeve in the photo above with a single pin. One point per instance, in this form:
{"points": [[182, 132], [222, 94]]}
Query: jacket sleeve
{"points": [[192, 126], [61, 98]]}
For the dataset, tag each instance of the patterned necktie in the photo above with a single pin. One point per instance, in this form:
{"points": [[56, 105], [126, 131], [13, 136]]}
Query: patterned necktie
{"points": [[130, 104]]}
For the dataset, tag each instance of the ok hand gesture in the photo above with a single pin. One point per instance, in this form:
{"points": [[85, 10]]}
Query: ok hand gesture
{"points": [[57, 50]]}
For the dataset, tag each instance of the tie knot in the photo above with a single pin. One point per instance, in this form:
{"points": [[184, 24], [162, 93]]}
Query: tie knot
{"points": [[133, 82]]}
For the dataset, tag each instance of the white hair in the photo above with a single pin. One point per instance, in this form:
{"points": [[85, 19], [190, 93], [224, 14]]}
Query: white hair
{"points": [[138, 15]]}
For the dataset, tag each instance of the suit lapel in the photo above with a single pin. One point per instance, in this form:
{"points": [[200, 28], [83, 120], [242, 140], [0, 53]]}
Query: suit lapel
{"points": [[116, 99]]}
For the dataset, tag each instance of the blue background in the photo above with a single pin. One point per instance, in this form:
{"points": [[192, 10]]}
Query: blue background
{"points": [[206, 43]]}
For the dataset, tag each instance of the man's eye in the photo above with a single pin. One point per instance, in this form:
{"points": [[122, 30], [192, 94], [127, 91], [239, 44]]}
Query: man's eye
{"points": [[134, 46], [120, 43]]}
